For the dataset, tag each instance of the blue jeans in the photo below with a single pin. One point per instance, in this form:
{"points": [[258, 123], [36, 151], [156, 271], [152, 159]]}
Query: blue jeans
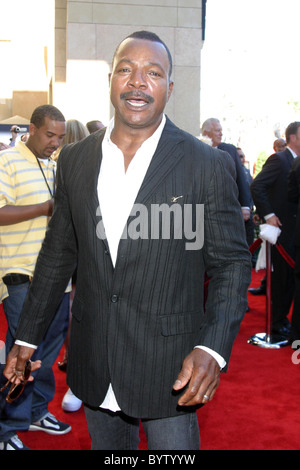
{"points": [[116, 431], [32, 405]]}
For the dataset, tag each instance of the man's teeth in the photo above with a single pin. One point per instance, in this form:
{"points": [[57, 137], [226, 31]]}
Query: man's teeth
{"points": [[137, 104]]}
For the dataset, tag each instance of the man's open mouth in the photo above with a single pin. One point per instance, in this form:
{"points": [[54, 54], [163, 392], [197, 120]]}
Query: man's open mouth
{"points": [[137, 103], [137, 100]]}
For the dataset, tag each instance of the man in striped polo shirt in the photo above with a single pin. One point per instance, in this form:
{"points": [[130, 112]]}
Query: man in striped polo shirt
{"points": [[27, 186]]}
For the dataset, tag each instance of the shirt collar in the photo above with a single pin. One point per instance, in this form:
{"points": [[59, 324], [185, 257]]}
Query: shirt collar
{"points": [[153, 139], [27, 153], [292, 152]]}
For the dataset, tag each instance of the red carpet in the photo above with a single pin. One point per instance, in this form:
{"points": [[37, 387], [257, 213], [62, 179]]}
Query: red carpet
{"points": [[256, 406]]}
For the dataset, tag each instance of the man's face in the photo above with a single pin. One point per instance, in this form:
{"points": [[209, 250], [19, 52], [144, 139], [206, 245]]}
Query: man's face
{"points": [[295, 142], [279, 145], [43, 141], [215, 133], [140, 86]]}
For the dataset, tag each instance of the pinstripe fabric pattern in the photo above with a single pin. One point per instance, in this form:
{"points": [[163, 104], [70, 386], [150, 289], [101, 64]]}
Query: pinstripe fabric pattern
{"points": [[133, 325]]}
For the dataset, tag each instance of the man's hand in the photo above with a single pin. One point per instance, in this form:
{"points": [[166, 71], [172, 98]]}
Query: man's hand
{"points": [[10, 215], [202, 372], [246, 213], [15, 363], [47, 207], [274, 220]]}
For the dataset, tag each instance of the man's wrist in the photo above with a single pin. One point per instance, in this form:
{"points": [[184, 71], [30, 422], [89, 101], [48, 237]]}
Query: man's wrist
{"points": [[23, 343]]}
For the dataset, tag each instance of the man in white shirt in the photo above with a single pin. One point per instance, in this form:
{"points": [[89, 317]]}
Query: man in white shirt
{"points": [[141, 347]]}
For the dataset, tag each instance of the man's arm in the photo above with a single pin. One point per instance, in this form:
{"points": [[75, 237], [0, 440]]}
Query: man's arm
{"points": [[262, 183], [228, 265], [10, 215], [55, 265]]}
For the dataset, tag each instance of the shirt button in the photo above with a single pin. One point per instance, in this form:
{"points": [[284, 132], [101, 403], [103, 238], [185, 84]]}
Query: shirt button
{"points": [[114, 298]]}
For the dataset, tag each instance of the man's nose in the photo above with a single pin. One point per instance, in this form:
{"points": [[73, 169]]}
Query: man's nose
{"points": [[137, 79], [56, 141]]}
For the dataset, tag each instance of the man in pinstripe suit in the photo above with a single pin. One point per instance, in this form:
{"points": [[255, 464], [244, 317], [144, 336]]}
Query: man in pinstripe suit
{"points": [[141, 346]]}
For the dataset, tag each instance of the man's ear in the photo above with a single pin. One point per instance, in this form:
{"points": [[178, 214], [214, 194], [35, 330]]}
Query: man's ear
{"points": [[171, 86], [32, 129]]}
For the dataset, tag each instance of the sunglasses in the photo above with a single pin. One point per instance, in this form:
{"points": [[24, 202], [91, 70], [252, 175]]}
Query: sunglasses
{"points": [[16, 389]]}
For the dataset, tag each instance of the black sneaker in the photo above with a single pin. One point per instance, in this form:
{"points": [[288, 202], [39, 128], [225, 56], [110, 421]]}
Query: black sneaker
{"points": [[14, 443], [50, 425]]}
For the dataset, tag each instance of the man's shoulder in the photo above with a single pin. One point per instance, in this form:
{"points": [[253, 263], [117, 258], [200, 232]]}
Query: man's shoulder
{"points": [[78, 151], [183, 136], [16, 157], [229, 148]]}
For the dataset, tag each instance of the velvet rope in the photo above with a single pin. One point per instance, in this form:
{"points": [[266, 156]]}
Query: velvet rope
{"points": [[256, 244]]}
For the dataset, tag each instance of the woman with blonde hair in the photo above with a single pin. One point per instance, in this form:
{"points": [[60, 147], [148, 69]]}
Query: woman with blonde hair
{"points": [[75, 131]]}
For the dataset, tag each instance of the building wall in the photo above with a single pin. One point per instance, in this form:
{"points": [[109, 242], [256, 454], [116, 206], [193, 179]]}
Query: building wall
{"points": [[60, 51], [86, 35], [26, 52]]}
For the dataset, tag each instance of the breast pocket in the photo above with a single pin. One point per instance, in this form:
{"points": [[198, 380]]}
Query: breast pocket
{"points": [[178, 324]]}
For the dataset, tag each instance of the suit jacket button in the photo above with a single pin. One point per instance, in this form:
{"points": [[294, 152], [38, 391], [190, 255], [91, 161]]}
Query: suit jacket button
{"points": [[114, 298]]}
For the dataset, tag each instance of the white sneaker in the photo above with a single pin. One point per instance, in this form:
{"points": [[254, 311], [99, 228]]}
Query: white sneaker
{"points": [[14, 443], [70, 402]]}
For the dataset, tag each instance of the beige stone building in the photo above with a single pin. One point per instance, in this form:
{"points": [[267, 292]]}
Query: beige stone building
{"points": [[59, 51]]}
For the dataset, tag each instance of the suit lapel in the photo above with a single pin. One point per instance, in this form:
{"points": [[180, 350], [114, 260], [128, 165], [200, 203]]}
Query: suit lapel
{"points": [[167, 155]]}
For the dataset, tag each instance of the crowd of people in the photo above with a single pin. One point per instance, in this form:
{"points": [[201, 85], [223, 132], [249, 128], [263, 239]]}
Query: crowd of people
{"points": [[274, 200], [141, 345]]}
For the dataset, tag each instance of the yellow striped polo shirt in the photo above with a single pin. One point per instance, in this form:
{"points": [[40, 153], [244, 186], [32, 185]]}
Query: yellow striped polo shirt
{"points": [[22, 183]]}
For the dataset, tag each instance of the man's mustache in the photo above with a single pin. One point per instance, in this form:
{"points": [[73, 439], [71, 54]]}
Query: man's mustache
{"points": [[136, 94]]}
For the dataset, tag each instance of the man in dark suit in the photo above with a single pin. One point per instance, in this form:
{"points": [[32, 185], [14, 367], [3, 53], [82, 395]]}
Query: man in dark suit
{"points": [[212, 128], [294, 196], [269, 191], [141, 346]]}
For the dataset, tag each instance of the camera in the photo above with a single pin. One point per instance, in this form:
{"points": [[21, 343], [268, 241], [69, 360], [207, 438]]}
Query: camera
{"points": [[19, 129]]}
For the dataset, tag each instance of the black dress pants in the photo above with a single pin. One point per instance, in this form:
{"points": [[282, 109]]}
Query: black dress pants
{"points": [[282, 288], [296, 309]]}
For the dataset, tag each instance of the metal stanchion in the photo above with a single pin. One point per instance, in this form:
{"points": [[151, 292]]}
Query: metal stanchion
{"points": [[267, 340]]}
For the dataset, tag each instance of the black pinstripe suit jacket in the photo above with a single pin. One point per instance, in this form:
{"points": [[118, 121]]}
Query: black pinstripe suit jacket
{"points": [[133, 324], [294, 194]]}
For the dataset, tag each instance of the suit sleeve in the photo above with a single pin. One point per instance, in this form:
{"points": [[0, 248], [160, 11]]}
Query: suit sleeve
{"points": [[227, 260], [262, 184], [54, 268], [244, 195], [242, 183]]}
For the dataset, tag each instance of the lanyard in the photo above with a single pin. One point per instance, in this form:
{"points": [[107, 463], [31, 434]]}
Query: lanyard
{"points": [[51, 192]]}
